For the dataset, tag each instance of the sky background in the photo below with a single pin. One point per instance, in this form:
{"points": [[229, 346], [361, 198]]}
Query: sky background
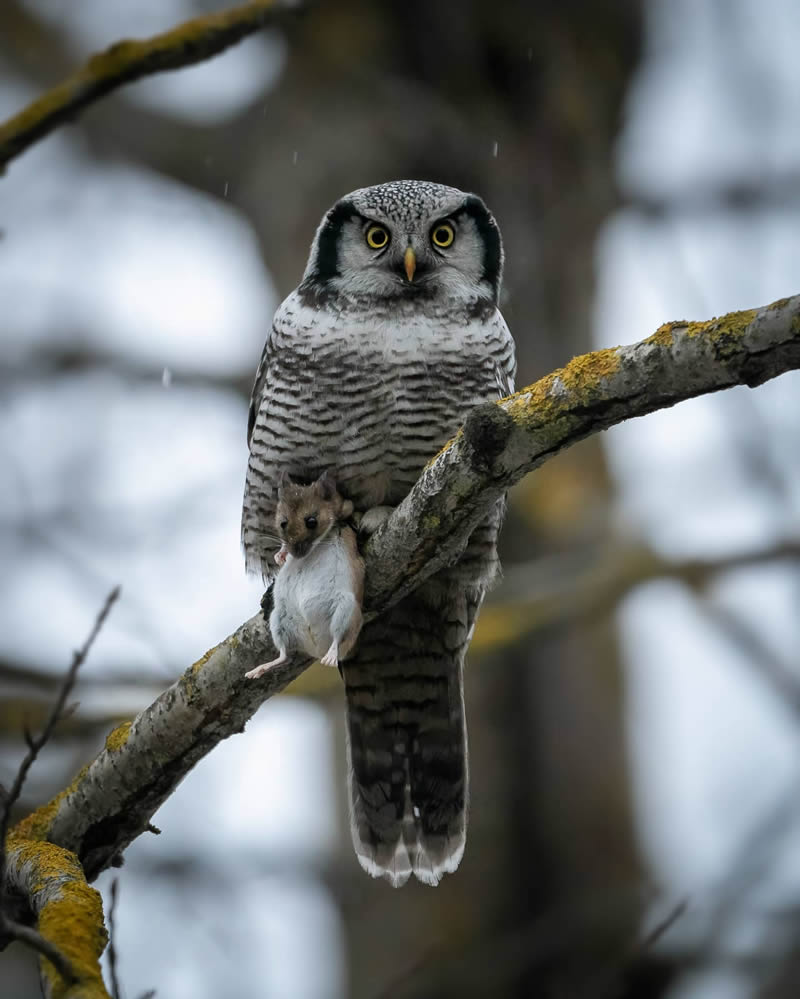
{"points": [[117, 260]]}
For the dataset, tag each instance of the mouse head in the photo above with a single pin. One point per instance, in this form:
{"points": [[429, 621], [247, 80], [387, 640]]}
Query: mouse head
{"points": [[306, 514]]}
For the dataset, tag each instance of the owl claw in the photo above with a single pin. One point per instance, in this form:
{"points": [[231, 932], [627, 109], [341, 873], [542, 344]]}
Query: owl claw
{"points": [[373, 518]]}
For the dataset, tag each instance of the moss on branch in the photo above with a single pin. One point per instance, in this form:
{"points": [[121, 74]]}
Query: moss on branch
{"points": [[68, 913], [191, 42]]}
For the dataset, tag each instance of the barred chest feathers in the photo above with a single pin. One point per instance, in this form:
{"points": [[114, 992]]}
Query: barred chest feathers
{"points": [[371, 365], [373, 393]]}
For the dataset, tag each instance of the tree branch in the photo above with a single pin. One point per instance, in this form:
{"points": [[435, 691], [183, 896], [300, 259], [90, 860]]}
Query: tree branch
{"points": [[113, 799], [69, 914], [191, 42], [556, 592], [49, 880]]}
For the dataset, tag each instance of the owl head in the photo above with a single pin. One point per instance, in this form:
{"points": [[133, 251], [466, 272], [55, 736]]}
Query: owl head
{"points": [[407, 239]]}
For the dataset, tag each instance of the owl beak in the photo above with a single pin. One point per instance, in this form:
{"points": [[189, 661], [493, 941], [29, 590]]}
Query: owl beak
{"points": [[410, 263]]}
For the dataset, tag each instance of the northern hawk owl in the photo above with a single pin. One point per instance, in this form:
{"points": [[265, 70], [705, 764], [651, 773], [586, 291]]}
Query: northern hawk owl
{"points": [[372, 364]]}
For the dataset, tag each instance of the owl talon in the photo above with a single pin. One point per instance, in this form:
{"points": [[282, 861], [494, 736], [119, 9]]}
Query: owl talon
{"points": [[373, 518]]}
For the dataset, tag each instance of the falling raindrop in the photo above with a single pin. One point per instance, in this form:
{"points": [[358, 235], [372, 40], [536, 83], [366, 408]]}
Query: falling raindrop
{"points": [[294, 158], [225, 191], [166, 377], [496, 149], [530, 55]]}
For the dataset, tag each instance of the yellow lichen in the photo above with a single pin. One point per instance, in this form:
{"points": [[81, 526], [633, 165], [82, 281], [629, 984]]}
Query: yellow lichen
{"points": [[587, 370], [196, 667], [117, 738], [36, 826], [445, 447], [578, 383], [69, 912], [774, 306], [663, 336], [732, 324]]}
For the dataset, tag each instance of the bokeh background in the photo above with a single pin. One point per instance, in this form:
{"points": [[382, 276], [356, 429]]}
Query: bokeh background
{"points": [[634, 685]]}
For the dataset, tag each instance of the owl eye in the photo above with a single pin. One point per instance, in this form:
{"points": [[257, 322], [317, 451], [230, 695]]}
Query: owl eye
{"points": [[442, 235], [311, 523], [377, 237]]}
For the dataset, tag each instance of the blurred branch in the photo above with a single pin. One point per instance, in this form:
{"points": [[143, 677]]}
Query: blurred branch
{"points": [[779, 677], [30, 676], [558, 591], [745, 194], [56, 359], [555, 592], [20, 714], [49, 879], [191, 42], [111, 802], [112, 944]]}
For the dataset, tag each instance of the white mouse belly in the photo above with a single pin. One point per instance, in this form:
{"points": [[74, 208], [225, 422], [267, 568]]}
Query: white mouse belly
{"points": [[307, 591]]}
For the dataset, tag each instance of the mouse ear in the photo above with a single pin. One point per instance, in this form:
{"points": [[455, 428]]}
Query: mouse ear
{"points": [[326, 485], [283, 482]]}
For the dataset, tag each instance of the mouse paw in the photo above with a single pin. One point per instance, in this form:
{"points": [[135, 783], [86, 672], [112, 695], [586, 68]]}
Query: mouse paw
{"points": [[254, 674], [331, 657]]}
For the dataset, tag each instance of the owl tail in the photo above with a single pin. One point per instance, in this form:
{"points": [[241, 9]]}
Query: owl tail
{"points": [[407, 737]]}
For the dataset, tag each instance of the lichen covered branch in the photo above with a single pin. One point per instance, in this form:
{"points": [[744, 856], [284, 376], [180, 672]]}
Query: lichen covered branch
{"points": [[501, 444], [192, 42], [113, 799], [36, 872], [71, 935]]}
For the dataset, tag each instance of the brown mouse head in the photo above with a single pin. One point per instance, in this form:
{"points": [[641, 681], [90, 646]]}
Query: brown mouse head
{"points": [[306, 514]]}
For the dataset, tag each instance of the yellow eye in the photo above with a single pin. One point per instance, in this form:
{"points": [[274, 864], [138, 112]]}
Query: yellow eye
{"points": [[377, 237], [443, 234]]}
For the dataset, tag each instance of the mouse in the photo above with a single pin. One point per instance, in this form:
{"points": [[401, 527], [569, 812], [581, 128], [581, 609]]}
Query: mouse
{"points": [[319, 588]]}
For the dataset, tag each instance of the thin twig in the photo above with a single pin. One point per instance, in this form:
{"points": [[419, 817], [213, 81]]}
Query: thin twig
{"points": [[33, 939], [658, 931], [35, 744], [112, 950]]}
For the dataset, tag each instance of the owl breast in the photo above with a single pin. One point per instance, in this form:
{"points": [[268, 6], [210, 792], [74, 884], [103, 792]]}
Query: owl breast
{"points": [[371, 397]]}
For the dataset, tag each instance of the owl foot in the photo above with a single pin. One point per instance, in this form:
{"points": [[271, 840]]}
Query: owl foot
{"points": [[372, 519], [254, 674], [331, 657]]}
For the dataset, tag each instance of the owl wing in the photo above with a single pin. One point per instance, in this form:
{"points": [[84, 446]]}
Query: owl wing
{"points": [[505, 360], [260, 384], [258, 508]]}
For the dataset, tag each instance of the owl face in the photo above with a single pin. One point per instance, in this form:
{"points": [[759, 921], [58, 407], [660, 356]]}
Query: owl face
{"points": [[406, 240]]}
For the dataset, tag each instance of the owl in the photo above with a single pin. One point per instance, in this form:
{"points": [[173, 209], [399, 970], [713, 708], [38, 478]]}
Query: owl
{"points": [[372, 364]]}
